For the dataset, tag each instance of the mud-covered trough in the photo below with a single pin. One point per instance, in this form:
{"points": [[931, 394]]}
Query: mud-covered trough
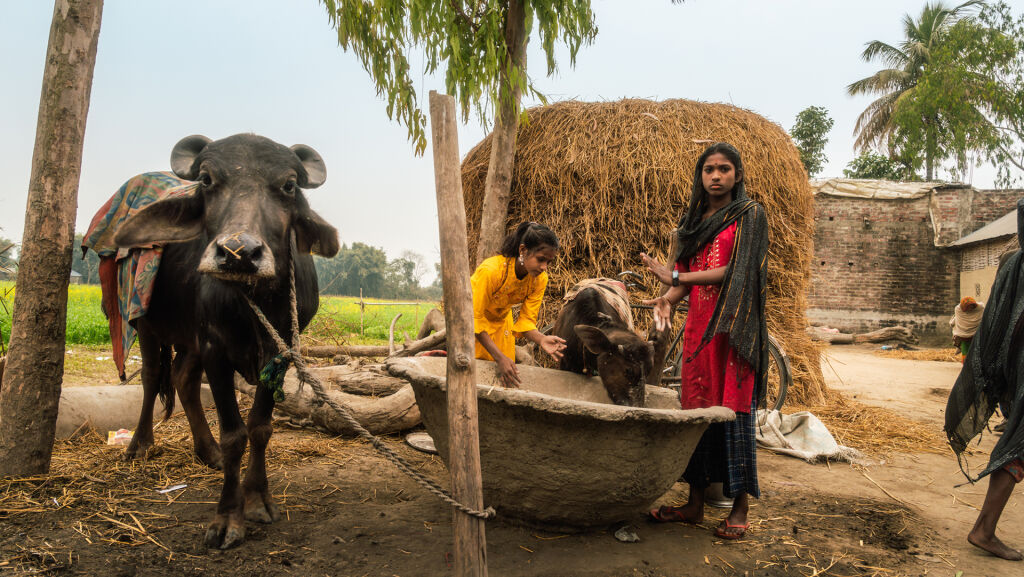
{"points": [[556, 453]]}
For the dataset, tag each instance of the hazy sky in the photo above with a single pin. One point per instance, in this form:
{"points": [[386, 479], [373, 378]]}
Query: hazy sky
{"points": [[169, 68]]}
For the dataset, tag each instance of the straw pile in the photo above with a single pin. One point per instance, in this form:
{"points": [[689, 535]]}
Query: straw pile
{"points": [[613, 178]]}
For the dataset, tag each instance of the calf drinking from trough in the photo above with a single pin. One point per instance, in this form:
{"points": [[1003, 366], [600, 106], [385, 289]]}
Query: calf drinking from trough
{"points": [[597, 326], [238, 234]]}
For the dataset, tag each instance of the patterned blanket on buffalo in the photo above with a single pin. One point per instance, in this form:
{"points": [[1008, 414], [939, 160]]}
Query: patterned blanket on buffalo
{"points": [[614, 293], [127, 275]]}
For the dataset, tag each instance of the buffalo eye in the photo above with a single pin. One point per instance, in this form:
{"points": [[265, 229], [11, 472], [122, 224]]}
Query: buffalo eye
{"points": [[205, 179], [289, 187]]}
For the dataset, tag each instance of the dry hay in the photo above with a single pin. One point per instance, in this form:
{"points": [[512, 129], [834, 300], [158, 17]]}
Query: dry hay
{"points": [[612, 179], [950, 355], [113, 502]]}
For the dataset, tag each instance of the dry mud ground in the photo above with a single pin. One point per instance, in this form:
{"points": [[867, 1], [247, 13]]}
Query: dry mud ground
{"points": [[348, 512]]}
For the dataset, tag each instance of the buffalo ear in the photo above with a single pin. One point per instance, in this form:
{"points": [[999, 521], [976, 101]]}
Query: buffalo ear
{"points": [[594, 339], [173, 219], [183, 156], [313, 234], [316, 170]]}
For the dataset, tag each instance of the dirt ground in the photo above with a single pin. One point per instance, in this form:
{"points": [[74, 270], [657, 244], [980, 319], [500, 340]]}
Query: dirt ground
{"points": [[348, 512]]}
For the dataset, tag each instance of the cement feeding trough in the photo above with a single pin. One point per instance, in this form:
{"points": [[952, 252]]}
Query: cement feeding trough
{"points": [[557, 453]]}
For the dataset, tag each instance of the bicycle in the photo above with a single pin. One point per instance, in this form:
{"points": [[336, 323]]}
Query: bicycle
{"points": [[780, 375]]}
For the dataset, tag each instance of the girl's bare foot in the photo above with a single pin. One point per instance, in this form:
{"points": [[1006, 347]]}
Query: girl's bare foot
{"points": [[994, 546], [688, 513]]}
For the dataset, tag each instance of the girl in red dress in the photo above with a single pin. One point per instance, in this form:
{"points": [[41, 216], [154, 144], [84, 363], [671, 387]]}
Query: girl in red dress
{"points": [[721, 264]]}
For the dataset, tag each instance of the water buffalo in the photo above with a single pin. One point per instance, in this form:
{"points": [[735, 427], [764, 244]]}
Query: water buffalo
{"points": [[597, 326], [232, 238]]}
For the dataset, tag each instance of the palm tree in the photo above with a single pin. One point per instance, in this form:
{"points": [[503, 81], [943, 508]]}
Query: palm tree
{"points": [[906, 64]]}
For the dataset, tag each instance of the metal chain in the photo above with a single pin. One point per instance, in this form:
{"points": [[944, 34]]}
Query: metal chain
{"points": [[305, 376]]}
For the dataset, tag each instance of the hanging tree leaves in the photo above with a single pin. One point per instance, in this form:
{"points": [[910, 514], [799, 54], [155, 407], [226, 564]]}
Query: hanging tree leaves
{"points": [[468, 37]]}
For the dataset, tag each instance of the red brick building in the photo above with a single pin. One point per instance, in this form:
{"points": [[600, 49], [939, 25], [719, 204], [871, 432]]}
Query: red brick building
{"points": [[883, 254]]}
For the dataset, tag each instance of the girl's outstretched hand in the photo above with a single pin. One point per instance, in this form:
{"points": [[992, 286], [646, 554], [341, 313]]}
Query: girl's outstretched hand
{"points": [[553, 346], [508, 372], [662, 313], [660, 271]]}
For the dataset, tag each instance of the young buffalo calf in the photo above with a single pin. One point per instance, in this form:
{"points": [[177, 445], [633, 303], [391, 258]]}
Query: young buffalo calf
{"points": [[597, 326]]}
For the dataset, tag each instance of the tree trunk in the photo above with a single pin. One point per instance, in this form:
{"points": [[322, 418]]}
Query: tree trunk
{"points": [[379, 415], [35, 361], [498, 185], [929, 152]]}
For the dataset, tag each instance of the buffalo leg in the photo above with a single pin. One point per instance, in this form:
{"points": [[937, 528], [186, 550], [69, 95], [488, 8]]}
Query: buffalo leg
{"points": [[187, 373], [142, 440], [228, 526], [259, 504]]}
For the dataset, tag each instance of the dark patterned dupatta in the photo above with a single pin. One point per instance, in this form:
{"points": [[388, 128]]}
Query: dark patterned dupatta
{"points": [[740, 311]]}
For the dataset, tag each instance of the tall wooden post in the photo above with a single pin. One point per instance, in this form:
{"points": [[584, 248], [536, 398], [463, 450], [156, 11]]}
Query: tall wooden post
{"points": [[35, 361], [463, 430]]}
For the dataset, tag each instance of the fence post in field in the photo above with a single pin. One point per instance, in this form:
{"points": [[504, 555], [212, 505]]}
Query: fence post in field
{"points": [[463, 427], [362, 307]]}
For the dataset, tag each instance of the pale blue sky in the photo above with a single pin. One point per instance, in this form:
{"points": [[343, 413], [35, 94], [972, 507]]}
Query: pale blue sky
{"points": [[169, 68]]}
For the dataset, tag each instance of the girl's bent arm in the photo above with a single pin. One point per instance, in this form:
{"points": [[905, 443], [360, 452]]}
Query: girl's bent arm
{"points": [[506, 367], [704, 277]]}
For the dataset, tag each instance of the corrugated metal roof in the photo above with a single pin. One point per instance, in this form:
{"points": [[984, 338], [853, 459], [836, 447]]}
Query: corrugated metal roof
{"points": [[878, 189], [1005, 225]]}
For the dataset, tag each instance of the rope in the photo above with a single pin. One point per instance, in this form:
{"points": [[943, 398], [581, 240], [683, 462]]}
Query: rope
{"points": [[292, 354]]}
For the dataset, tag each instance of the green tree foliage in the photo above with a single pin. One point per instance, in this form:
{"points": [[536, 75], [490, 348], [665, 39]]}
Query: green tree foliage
{"points": [[466, 36], [8, 256], [871, 165], [974, 85], [365, 267], [88, 267], [810, 132], [885, 124]]}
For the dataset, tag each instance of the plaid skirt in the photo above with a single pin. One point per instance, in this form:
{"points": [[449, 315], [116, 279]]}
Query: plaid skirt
{"points": [[727, 454]]}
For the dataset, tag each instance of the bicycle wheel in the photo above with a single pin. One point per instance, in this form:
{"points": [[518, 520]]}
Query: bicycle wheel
{"points": [[779, 377]]}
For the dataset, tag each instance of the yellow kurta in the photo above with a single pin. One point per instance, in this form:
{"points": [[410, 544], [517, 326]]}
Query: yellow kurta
{"points": [[495, 290]]}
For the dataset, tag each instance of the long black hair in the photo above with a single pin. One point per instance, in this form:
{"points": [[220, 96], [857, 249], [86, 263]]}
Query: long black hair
{"points": [[532, 235], [694, 231]]}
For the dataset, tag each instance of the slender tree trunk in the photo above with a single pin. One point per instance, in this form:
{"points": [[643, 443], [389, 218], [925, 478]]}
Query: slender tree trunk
{"points": [[929, 152], [498, 184], [35, 360]]}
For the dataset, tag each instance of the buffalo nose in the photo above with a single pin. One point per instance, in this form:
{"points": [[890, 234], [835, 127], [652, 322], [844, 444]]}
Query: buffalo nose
{"points": [[240, 252]]}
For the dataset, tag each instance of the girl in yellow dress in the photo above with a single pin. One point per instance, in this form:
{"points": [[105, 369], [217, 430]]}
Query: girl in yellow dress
{"points": [[515, 276]]}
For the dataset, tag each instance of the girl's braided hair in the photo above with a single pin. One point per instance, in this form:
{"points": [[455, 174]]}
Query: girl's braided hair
{"points": [[529, 234]]}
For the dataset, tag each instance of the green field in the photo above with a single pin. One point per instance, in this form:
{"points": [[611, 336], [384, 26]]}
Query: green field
{"points": [[338, 321]]}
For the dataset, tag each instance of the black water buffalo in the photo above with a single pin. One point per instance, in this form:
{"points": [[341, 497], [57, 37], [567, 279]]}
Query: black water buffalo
{"points": [[597, 327], [233, 238]]}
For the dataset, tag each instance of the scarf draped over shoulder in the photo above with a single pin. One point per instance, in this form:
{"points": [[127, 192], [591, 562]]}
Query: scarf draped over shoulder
{"points": [[740, 312]]}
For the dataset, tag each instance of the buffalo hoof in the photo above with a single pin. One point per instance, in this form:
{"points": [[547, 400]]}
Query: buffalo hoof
{"points": [[224, 534], [141, 451], [260, 508], [210, 456]]}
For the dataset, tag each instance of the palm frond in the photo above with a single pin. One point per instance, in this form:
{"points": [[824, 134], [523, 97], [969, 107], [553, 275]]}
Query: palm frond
{"points": [[889, 54]]}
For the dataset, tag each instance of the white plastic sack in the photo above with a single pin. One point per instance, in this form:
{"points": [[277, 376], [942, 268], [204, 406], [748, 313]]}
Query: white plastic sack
{"points": [[801, 435]]}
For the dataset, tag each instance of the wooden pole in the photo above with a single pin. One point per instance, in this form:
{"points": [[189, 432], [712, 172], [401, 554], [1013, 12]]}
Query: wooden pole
{"points": [[362, 307], [463, 431]]}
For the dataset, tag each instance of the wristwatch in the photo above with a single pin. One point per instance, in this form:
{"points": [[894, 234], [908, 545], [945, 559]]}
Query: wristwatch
{"points": [[675, 277]]}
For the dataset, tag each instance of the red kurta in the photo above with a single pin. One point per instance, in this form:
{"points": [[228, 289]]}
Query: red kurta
{"points": [[717, 376]]}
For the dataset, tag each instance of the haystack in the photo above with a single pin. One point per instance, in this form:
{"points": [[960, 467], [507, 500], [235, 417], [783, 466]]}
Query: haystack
{"points": [[613, 178]]}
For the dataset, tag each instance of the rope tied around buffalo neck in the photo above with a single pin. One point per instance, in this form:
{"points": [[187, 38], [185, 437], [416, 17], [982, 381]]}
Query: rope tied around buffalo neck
{"points": [[274, 373]]}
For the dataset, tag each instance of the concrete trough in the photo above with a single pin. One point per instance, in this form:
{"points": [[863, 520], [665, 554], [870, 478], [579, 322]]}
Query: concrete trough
{"points": [[557, 453]]}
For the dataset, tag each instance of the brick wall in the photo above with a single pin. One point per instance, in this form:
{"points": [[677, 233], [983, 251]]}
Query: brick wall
{"points": [[876, 263]]}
